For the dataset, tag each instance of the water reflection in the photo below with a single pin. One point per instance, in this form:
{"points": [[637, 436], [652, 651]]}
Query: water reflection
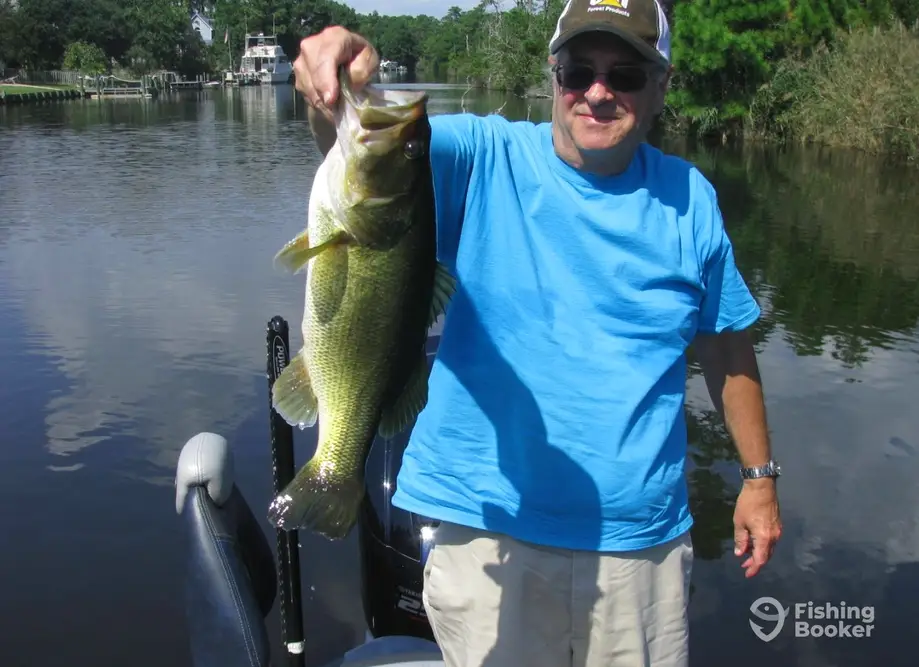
{"points": [[140, 236], [829, 244], [136, 279], [142, 257], [831, 241]]}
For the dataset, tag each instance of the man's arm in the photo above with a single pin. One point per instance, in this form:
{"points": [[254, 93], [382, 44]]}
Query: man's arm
{"points": [[731, 372], [323, 129]]}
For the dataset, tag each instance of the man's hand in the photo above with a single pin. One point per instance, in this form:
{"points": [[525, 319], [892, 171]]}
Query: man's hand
{"points": [[316, 67], [757, 524]]}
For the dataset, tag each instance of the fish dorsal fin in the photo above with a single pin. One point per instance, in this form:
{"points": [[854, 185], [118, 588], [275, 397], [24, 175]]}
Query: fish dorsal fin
{"points": [[444, 288], [397, 416], [292, 394]]}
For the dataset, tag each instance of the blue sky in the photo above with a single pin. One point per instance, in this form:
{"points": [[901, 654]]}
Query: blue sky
{"points": [[436, 8]]}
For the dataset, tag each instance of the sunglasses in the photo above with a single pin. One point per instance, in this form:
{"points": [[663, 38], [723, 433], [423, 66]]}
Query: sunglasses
{"points": [[621, 78]]}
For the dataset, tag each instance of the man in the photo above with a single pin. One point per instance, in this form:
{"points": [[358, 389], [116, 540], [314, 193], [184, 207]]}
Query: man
{"points": [[553, 444]]}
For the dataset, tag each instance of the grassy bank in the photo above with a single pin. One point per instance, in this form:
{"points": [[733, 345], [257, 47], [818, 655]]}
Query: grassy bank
{"points": [[21, 89], [20, 93], [861, 93]]}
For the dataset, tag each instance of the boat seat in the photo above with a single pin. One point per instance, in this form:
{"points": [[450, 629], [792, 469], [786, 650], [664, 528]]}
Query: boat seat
{"points": [[231, 581]]}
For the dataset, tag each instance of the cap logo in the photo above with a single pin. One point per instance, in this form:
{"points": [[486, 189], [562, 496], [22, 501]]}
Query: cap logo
{"points": [[617, 6]]}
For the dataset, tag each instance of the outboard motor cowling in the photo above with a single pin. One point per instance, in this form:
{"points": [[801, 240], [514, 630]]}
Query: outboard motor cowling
{"points": [[393, 544]]}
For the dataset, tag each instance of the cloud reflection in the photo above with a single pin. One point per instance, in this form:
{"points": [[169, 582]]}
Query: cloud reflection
{"points": [[146, 272]]}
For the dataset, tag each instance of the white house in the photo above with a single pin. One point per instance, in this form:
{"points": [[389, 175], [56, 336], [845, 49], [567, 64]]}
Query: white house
{"points": [[203, 26]]}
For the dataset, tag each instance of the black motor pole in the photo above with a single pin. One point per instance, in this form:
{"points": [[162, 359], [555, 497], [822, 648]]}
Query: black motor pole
{"points": [[282, 458]]}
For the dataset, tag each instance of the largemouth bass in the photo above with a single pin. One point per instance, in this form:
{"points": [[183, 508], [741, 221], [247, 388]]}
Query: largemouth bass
{"points": [[373, 289]]}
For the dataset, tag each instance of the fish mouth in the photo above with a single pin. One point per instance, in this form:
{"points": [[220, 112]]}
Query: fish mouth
{"points": [[380, 133], [380, 108]]}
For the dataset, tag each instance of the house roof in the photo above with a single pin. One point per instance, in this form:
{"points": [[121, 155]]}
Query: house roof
{"points": [[208, 21]]}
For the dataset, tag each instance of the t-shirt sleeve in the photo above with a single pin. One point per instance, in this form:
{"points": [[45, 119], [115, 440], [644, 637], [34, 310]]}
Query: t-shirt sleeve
{"points": [[727, 303], [454, 141]]}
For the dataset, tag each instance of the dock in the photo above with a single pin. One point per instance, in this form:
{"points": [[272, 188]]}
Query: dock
{"points": [[237, 79], [21, 86], [173, 81], [149, 85], [109, 85]]}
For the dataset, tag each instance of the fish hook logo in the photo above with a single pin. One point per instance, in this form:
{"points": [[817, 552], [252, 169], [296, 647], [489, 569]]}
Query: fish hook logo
{"points": [[778, 617]]}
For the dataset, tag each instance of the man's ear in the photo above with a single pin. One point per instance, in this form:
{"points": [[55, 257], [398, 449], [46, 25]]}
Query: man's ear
{"points": [[552, 61], [665, 78], [662, 82]]}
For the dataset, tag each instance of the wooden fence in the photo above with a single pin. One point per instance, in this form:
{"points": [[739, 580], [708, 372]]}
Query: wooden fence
{"points": [[36, 77]]}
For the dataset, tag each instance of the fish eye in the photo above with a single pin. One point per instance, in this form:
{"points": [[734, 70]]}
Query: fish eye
{"points": [[413, 149]]}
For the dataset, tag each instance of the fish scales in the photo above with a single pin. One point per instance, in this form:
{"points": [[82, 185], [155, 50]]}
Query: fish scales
{"points": [[353, 293]]}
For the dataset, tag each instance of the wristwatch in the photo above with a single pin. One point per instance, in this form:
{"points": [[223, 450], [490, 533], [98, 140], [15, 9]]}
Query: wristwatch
{"points": [[770, 469]]}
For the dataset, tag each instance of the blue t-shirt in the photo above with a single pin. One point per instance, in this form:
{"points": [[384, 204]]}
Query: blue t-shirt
{"points": [[555, 409]]}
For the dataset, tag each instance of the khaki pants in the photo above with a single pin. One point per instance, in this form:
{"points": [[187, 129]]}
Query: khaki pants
{"points": [[494, 601]]}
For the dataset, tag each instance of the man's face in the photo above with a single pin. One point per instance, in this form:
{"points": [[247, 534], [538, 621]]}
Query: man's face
{"points": [[600, 117]]}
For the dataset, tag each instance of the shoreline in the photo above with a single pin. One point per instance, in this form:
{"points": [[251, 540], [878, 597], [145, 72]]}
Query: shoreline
{"points": [[17, 93]]}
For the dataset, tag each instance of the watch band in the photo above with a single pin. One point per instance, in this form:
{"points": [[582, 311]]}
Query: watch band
{"points": [[770, 469]]}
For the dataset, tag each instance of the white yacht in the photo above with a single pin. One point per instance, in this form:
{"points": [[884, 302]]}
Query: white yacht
{"points": [[264, 60], [392, 66]]}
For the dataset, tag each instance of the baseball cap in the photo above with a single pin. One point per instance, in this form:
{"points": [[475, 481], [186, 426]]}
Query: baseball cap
{"points": [[641, 23]]}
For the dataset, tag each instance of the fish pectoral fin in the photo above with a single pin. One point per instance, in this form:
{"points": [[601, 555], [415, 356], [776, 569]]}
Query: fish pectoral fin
{"points": [[397, 416], [292, 394], [444, 288], [297, 253]]}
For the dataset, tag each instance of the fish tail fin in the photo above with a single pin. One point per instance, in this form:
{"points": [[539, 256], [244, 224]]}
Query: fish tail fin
{"points": [[328, 507], [292, 394]]}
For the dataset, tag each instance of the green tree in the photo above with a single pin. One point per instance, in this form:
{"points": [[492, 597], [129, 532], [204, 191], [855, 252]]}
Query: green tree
{"points": [[84, 58], [723, 50], [397, 40], [740, 65]]}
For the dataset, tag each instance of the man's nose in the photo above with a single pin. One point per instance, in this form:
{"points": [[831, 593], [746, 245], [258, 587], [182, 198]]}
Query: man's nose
{"points": [[599, 91]]}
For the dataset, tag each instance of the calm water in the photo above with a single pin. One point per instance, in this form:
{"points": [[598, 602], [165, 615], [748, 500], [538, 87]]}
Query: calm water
{"points": [[135, 283]]}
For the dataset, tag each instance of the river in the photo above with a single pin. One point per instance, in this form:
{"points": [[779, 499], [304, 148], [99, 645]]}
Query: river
{"points": [[136, 280]]}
